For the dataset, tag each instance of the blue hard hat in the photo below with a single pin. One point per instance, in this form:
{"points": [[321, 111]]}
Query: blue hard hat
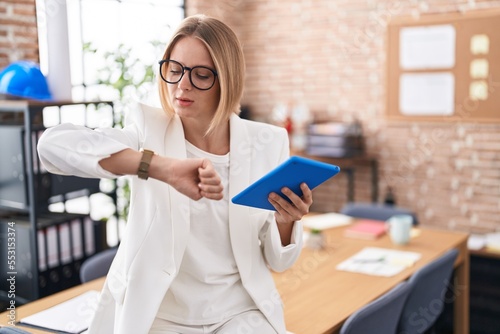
{"points": [[24, 79]]}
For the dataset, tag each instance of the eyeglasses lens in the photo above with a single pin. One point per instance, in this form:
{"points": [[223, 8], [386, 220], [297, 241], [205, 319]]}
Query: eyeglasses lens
{"points": [[201, 77]]}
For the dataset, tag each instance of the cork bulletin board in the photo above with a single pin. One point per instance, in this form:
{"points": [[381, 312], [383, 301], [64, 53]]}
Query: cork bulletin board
{"points": [[444, 66]]}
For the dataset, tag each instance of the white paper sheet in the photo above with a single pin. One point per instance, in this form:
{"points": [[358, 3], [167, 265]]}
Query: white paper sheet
{"points": [[72, 316], [326, 220], [429, 47], [476, 241], [427, 94], [379, 261], [493, 240]]}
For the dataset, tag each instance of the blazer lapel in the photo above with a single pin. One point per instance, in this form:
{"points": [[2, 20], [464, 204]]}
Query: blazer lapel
{"points": [[175, 147], [240, 225], [239, 177]]}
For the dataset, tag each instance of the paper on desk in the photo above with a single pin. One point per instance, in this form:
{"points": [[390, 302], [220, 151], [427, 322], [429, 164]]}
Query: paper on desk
{"points": [[493, 241], [379, 261], [476, 241], [326, 220], [72, 316]]}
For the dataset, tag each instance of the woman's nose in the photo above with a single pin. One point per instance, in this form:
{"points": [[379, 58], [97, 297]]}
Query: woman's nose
{"points": [[185, 83]]}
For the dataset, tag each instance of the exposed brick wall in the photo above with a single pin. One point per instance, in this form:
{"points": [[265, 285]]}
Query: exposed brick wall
{"points": [[18, 31], [331, 55]]}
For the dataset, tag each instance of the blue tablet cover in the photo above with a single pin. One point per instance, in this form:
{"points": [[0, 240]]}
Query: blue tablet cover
{"points": [[291, 174]]}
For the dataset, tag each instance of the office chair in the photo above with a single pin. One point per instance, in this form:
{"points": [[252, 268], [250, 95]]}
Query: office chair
{"points": [[427, 296], [379, 316], [97, 265], [375, 211]]}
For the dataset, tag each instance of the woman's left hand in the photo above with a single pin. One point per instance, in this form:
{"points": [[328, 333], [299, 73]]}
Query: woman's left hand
{"points": [[287, 212]]}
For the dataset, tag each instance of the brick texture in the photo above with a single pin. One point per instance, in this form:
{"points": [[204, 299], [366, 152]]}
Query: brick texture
{"points": [[18, 31], [331, 56]]}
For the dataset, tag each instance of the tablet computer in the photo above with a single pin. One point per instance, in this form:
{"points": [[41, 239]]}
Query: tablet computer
{"points": [[291, 174]]}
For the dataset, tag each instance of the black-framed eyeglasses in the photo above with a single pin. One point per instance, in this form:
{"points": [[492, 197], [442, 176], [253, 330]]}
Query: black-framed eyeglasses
{"points": [[201, 77]]}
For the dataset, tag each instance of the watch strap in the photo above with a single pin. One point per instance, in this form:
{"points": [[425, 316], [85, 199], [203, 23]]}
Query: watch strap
{"points": [[143, 171]]}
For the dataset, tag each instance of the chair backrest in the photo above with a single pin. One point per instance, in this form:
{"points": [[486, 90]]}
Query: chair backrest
{"points": [[12, 330], [375, 211], [427, 296], [381, 315], [97, 265]]}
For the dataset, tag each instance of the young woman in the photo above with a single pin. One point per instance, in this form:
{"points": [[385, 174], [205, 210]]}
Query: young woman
{"points": [[190, 260]]}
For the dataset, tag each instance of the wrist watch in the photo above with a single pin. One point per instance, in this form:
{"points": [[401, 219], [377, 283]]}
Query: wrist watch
{"points": [[143, 172]]}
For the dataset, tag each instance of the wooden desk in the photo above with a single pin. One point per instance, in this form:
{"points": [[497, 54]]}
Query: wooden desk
{"points": [[318, 298], [45, 303], [484, 252]]}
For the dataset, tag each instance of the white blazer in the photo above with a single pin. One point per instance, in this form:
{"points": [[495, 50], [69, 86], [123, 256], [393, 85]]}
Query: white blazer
{"points": [[151, 250]]}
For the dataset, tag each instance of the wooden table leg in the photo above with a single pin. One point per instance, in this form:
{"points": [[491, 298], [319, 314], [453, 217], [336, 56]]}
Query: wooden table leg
{"points": [[462, 290]]}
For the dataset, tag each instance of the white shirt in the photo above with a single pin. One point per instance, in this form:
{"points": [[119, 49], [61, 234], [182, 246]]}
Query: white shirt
{"points": [[208, 288]]}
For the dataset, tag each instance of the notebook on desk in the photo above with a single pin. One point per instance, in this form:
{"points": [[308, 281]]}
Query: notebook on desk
{"points": [[72, 316], [366, 229]]}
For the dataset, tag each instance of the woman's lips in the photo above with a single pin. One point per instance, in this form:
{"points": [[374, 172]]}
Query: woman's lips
{"points": [[183, 102]]}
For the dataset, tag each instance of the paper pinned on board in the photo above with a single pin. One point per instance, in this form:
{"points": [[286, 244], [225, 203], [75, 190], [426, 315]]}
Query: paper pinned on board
{"points": [[428, 47], [427, 94]]}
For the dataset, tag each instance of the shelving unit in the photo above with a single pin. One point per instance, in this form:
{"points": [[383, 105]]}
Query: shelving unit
{"points": [[49, 246], [349, 165]]}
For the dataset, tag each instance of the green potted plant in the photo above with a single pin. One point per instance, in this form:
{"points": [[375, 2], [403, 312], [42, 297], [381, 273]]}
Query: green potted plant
{"points": [[130, 78], [315, 239]]}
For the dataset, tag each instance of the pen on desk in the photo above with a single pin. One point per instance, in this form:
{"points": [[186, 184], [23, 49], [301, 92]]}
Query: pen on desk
{"points": [[369, 260]]}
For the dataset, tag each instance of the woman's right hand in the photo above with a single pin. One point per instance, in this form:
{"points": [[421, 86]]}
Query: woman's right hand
{"points": [[195, 178]]}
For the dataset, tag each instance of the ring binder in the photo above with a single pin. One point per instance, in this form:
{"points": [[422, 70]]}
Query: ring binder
{"points": [[50, 245]]}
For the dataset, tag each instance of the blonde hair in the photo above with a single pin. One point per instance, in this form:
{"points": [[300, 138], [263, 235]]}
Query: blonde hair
{"points": [[227, 55]]}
